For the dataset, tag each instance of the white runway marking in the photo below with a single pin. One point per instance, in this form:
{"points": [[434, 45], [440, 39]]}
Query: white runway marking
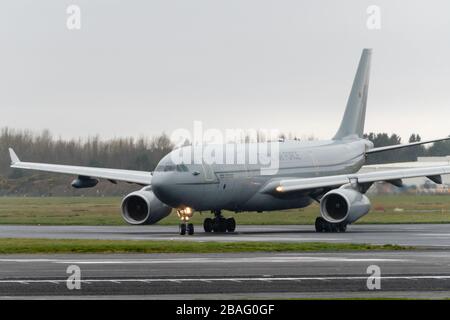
{"points": [[433, 234], [115, 281], [172, 280], [285, 259], [237, 280]]}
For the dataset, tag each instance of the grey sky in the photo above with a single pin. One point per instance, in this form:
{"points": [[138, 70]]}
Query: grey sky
{"points": [[143, 67]]}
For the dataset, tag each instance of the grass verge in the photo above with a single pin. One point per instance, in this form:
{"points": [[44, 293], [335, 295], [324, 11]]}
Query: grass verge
{"points": [[97, 211], [15, 245]]}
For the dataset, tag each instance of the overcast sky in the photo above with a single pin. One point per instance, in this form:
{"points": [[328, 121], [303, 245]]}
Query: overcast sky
{"points": [[143, 67]]}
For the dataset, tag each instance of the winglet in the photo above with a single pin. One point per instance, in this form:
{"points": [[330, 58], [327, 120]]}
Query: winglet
{"points": [[14, 157]]}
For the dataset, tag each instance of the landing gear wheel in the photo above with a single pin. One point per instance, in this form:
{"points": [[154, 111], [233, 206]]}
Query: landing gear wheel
{"points": [[334, 227], [182, 229], [223, 225], [220, 224], [231, 224], [190, 229], [208, 225], [342, 227], [320, 224]]}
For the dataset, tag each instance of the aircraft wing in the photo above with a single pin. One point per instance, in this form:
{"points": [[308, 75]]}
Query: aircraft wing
{"points": [[140, 177], [301, 184], [406, 145], [403, 165]]}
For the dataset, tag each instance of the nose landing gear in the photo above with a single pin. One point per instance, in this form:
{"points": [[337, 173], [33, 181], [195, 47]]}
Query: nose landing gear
{"points": [[219, 223], [185, 215]]}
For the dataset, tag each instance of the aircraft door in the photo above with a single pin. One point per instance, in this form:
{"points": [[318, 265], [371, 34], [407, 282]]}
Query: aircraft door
{"points": [[208, 173], [314, 162]]}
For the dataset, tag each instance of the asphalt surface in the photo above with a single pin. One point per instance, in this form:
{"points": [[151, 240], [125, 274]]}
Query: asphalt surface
{"points": [[426, 235], [228, 276], [423, 273]]}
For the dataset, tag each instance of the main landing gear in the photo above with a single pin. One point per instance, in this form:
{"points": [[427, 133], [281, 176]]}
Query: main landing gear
{"points": [[323, 225], [219, 223], [185, 215]]}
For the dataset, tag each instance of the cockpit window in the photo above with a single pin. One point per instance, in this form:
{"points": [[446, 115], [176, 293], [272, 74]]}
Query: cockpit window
{"points": [[182, 168], [172, 167], [165, 168], [169, 168]]}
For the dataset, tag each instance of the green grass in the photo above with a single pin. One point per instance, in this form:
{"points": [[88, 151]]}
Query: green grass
{"points": [[10, 245], [106, 211]]}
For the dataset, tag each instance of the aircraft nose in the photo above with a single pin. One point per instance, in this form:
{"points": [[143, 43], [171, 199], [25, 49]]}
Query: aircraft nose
{"points": [[157, 183], [161, 187]]}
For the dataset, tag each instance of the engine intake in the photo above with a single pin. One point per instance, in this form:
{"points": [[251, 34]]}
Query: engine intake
{"points": [[143, 207], [344, 205]]}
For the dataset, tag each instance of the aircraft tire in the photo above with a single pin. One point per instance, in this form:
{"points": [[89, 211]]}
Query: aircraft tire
{"points": [[320, 224], [190, 229], [334, 227], [342, 227], [220, 224], [182, 229], [208, 225], [231, 224]]}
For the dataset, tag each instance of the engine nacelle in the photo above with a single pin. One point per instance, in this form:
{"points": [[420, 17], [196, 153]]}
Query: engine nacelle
{"points": [[143, 207], [344, 205]]}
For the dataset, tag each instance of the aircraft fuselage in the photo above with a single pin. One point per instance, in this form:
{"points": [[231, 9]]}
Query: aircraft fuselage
{"points": [[236, 186]]}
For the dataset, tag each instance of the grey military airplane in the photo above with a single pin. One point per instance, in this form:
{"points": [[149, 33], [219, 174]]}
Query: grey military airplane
{"points": [[322, 171]]}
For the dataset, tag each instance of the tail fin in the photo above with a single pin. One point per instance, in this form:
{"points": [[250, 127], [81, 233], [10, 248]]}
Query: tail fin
{"points": [[352, 124]]}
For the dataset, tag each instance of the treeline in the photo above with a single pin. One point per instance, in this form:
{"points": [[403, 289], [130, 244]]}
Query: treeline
{"points": [[128, 153]]}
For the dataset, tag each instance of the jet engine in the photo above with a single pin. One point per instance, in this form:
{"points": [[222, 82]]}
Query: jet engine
{"points": [[344, 205], [143, 207]]}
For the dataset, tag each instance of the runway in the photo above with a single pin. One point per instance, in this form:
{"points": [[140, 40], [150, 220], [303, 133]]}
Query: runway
{"points": [[423, 235], [228, 276], [423, 273]]}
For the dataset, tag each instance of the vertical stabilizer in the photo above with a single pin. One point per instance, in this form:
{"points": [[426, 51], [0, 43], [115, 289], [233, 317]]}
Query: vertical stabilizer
{"points": [[352, 124]]}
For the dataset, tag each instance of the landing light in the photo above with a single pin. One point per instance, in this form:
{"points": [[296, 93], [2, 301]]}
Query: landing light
{"points": [[185, 213], [279, 189]]}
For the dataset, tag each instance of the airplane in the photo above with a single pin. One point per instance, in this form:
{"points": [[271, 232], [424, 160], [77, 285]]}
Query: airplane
{"points": [[320, 171]]}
